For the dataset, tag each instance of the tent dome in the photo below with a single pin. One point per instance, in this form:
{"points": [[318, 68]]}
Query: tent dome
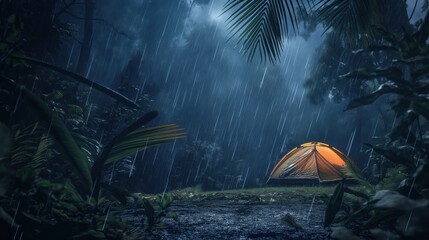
{"points": [[312, 161]]}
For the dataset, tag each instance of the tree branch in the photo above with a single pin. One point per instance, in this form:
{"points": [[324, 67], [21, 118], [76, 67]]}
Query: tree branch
{"points": [[66, 7]]}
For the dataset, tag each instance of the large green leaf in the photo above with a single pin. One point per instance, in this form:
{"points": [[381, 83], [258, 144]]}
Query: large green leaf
{"points": [[131, 140], [59, 131], [403, 127], [421, 106], [109, 92], [394, 156], [99, 163], [334, 204], [143, 138]]}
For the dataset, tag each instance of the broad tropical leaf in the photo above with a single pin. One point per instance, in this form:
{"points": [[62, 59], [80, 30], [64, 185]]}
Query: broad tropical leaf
{"points": [[334, 204], [109, 92], [132, 140], [143, 138], [59, 131], [394, 156], [402, 129], [98, 166], [356, 193]]}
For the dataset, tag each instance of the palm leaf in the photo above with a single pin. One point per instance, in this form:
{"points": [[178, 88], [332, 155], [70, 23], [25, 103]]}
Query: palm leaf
{"points": [[59, 131], [260, 25], [334, 204], [142, 139], [131, 140], [109, 92], [394, 156], [97, 168], [352, 20]]}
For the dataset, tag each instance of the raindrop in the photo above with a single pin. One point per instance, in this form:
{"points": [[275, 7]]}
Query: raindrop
{"points": [[154, 158], [14, 215], [375, 128], [245, 178], [350, 144], [18, 100], [89, 113], [92, 191], [111, 174], [311, 207], [134, 161], [16, 233], [309, 128], [162, 35], [168, 177], [105, 219], [263, 77]]}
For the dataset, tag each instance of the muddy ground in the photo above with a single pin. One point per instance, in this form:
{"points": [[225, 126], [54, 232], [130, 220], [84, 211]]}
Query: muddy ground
{"points": [[242, 215], [220, 219]]}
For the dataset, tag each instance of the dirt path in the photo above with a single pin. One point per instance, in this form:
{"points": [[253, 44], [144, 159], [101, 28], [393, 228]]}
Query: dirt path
{"points": [[231, 219], [219, 219], [241, 215]]}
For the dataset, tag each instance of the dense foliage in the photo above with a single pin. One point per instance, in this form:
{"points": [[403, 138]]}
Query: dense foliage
{"points": [[58, 148]]}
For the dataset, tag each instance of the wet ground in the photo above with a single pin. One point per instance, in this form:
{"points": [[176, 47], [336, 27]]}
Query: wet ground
{"points": [[219, 219], [244, 216]]}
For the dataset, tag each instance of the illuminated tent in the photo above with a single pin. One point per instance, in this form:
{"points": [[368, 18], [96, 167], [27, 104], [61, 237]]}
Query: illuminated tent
{"points": [[312, 161]]}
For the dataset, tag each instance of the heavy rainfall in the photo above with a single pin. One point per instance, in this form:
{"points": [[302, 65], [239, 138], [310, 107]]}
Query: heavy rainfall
{"points": [[214, 119]]}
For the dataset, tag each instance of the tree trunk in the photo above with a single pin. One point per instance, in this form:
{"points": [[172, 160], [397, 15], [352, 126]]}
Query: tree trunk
{"points": [[85, 50]]}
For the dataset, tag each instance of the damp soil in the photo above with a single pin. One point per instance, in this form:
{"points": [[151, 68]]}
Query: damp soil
{"points": [[242, 215], [219, 219]]}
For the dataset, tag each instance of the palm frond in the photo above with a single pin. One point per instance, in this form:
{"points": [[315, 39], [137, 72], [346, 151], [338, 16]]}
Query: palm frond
{"points": [[352, 20], [143, 138], [109, 92], [425, 6], [98, 166], [131, 140], [261, 25], [59, 131]]}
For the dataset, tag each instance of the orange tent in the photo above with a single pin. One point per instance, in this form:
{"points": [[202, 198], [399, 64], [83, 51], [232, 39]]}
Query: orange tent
{"points": [[312, 161]]}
